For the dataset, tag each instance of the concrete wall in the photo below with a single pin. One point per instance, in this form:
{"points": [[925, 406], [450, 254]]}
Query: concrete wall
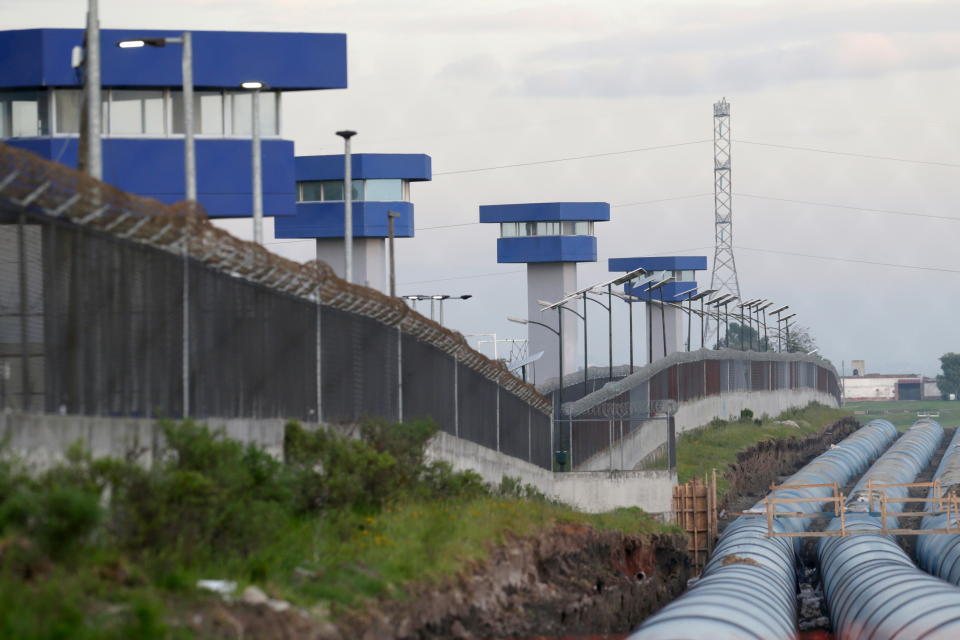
{"points": [[697, 413], [636, 446], [596, 491], [42, 440], [592, 491]]}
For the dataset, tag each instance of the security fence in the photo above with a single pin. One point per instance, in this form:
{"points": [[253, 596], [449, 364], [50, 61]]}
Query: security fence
{"points": [[627, 422], [116, 305]]}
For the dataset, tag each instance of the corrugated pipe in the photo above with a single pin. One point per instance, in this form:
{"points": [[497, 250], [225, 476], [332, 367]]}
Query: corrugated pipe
{"points": [[939, 554], [748, 588], [872, 588]]}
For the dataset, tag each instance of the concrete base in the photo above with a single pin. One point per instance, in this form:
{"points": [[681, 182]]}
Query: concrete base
{"points": [[551, 281], [698, 413], [593, 492], [42, 440], [369, 260], [674, 321]]}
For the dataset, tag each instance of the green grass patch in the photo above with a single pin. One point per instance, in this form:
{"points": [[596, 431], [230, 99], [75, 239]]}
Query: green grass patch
{"points": [[716, 445], [903, 413]]}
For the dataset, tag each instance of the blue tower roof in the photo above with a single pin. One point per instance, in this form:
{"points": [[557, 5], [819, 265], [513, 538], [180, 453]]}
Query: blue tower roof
{"points": [[38, 58], [676, 291], [545, 211], [404, 166], [546, 231]]}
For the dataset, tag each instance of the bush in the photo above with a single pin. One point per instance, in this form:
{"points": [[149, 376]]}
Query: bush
{"points": [[746, 415]]}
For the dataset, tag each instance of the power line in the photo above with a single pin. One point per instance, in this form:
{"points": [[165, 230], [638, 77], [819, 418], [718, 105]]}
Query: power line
{"points": [[479, 275], [848, 154], [850, 207], [567, 159], [851, 260]]}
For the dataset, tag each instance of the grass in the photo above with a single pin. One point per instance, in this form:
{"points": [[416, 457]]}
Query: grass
{"points": [[716, 445], [903, 413]]}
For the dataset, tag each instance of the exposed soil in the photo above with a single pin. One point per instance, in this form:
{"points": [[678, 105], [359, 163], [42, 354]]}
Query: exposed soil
{"points": [[770, 461], [571, 581]]}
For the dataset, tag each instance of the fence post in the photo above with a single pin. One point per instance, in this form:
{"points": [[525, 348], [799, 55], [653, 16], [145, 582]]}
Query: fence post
{"points": [[498, 414], [319, 347], [25, 390], [456, 394], [672, 442], [185, 312], [399, 370]]}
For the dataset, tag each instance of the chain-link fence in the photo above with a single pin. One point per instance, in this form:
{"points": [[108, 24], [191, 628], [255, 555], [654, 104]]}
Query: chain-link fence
{"points": [[116, 305]]}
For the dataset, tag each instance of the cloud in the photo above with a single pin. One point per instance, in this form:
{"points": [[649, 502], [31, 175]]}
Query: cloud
{"points": [[751, 67]]}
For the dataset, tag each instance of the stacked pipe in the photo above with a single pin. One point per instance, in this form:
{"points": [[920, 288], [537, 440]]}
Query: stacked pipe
{"points": [[748, 588], [940, 554], [872, 588]]}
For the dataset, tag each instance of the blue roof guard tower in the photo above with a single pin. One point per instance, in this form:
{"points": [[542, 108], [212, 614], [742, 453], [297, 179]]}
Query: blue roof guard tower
{"points": [[41, 100], [668, 320], [380, 185], [551, 238]]}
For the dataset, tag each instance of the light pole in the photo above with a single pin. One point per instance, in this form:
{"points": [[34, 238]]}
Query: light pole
{"points": [[777, 312], [91, 81], [391, 216], [726, 319], [189, 157], [347, 204], [716, 302], [548, 306], [786, 326], [663, 318], [257, 159], [186, 70], [700, 296], [763, 308], [557, 417], [433, 301], [745, 306]]}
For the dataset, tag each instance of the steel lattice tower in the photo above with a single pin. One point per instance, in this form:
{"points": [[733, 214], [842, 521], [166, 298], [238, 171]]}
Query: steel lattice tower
{"points": [[724, 278]]}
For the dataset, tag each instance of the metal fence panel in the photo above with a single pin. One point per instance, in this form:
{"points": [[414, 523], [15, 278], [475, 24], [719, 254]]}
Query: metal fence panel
{"points": [[428, 384], [476, 407]]}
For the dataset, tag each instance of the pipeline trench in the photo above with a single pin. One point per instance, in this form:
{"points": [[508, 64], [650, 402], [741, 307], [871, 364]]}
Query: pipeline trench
{"points": [[858, 586]]}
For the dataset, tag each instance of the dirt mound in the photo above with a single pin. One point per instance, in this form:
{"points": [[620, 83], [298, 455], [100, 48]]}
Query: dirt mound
{"points": [[571, 580]]}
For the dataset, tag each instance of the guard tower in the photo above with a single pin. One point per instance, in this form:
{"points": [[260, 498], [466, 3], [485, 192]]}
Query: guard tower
{"points": [[41, 101], [380, 184], [664, 323], [551, 238]]}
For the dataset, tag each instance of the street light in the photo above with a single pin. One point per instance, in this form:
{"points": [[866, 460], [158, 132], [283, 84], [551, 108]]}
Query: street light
{"points": [[186, 71], [763, 308], [347, 204], [549, 305], [629, 300], [726, 319], [189, 158], [557, 417], [663, 321], [786, 326], [777, 313], [700, 296], [746, 305], [257, 160], [433, 301]]}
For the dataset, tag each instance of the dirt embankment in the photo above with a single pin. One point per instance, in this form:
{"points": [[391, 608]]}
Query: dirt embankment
{"points": [[569, 581], [765, 462]]}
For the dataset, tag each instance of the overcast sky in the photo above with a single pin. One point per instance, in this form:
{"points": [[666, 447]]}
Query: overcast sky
{"points": [[478, 84]]}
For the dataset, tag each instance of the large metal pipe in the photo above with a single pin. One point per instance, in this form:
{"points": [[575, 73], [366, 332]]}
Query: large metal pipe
{"points": [[748, 588], [872, 588], [940, 554]]}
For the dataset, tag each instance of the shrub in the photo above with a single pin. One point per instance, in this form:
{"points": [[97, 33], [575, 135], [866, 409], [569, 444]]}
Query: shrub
{"points": [[746, 415]]}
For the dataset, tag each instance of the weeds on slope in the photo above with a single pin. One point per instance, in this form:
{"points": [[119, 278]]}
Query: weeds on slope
{"points": [[716, 445]]}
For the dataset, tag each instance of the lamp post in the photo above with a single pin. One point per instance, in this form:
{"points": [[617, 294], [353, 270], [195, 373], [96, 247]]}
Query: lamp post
{"points": [[186, 70], [256, 159], [346, 134], [786, 326], [726, 319], [91, 82], [700, 296], [434, 299], [549, 305], [745, 306], [663, 318], [557, 415], [716, 302], [763, 308], [777, 313], [391, 216]]}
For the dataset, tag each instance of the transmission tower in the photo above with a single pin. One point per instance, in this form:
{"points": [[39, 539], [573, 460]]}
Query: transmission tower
{"points": [[724, 278]]}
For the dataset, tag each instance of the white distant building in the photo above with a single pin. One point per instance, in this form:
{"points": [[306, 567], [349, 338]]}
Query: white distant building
{"points": [[887, 386]]}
